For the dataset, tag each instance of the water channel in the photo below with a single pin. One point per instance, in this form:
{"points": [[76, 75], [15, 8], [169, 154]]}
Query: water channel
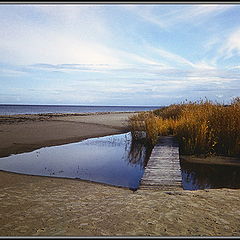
{"points": [[204, 176], [114, 160]]}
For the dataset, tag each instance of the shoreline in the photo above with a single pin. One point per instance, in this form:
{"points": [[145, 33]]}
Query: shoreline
{"points": [[24, 133], [67, 114], [211, 160], [50, 114], [15, 175], [47, 116]]}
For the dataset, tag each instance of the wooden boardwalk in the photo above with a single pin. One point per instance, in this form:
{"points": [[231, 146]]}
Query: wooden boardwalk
{"points": [[163, 168]]}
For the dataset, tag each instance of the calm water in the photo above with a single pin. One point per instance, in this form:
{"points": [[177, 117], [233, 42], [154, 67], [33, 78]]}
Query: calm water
{"points": [[36, 109], [203, 176], [112, 160]]}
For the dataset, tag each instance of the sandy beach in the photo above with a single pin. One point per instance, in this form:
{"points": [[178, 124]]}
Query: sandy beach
{"points": [[22, 133], [44, 206]]}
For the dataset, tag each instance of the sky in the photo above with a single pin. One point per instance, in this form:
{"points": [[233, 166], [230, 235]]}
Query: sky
{"points": [[119, 54]]}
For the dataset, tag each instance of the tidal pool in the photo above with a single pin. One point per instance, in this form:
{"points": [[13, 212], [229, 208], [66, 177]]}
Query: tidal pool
{"points": [[203, 176], [114, 160]]}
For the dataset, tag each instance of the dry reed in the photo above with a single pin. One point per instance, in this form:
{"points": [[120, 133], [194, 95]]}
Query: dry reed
{"points": [[202, 127]]}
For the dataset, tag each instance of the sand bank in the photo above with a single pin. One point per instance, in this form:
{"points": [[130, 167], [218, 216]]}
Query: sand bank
{"points": [[22, 133]]}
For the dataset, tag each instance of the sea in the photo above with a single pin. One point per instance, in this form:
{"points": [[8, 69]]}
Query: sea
{"points": [[10, 109]]}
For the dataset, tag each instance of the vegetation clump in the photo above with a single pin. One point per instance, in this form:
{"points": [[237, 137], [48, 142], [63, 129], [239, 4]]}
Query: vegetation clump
{"points": [[201, 127]]}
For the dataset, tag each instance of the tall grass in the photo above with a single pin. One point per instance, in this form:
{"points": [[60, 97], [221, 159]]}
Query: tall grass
{"points": [[202, 127]]}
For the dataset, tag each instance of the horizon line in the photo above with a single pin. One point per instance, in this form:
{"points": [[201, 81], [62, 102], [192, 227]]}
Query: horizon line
{"points": [[83, 105]]}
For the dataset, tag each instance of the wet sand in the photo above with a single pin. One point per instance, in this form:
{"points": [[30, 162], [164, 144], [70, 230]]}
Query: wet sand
{"points": [[44, 206]]}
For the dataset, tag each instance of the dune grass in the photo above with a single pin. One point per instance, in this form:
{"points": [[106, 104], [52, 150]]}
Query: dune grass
{"points": [[201, 127]]}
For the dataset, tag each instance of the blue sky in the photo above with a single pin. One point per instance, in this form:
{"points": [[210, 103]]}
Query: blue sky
{"points": [[119, 54]]}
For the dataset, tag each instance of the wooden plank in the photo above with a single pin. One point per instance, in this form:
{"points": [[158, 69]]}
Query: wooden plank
{"points": [[163, 170]]}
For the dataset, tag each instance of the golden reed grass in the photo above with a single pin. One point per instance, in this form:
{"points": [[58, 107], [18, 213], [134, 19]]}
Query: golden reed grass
{"points": [[202, 127]]}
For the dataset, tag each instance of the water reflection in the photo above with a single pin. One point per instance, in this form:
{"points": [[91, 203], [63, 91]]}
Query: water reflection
{"points": [[202, 176], [115, 160], [139, 154]]}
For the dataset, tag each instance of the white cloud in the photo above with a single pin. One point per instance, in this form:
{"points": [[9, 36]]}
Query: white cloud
{"points": [[202, 11], [170, 16], [171, 56], [209, 45], [235, 67], [177, 61], [231, 46], [11, 72], [54, 48], [60, 34], [77, 38], [202, 65], [57, 43]]}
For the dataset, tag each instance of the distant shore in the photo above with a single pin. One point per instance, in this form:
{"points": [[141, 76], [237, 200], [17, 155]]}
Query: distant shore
{"points": [[12, 109], [27, 132]]}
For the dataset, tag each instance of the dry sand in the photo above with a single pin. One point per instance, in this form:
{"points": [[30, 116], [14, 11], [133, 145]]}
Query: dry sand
{"points": [[32, 205], [21, 133]]}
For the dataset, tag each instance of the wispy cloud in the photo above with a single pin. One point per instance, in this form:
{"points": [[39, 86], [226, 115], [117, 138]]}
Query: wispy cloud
{"points": [[133, 54], [201, 12], [178, 14], [231, 45], [174, 58]]}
